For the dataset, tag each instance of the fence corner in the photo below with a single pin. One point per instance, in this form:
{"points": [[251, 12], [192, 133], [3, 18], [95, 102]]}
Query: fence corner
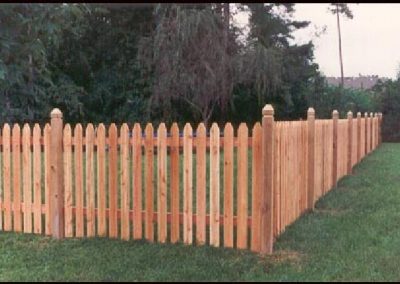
{"points": [[266, 214], [311, 157]]}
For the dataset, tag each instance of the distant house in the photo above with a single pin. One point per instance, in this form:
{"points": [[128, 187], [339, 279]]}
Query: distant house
{"points": [[360, 82]]}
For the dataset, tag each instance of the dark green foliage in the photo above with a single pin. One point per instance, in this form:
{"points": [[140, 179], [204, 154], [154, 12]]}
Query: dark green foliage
{"points": [[165, 62], [388, 97]]}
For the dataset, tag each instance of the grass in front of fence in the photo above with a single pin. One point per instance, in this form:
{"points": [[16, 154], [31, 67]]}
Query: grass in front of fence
{"points": [[353, 235]]}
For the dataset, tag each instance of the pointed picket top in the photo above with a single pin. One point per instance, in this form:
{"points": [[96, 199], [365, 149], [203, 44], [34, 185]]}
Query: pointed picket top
{"points": [[6, 127], [37, 132], [174, 128], [101, 130], [47, 127], [124, 134], [228, 130], [16, 128], [112, 129], [201, 129], [161, 129], [243, 130], [67, 134], [89, 131], [256, 127], [214, 129], [188, 128], [26, 128], [149, 130], [137, 131], [78, 128]]}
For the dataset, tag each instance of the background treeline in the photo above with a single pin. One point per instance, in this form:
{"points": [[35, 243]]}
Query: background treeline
{"points": [[166, 62]]}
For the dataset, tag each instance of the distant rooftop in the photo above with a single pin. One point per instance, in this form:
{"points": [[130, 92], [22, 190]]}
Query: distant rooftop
{"points": [[360, 82]]}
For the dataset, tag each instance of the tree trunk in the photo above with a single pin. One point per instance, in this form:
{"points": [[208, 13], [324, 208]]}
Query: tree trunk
{"points": [[340, 46]]}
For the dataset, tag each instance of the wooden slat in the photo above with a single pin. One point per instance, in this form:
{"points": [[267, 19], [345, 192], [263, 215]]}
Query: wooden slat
{"points": [[187, 184], [113, 181], [90, 190], [16, 161], [201, 138], [125, 200], [47, 168], [174, 175], [228, 185], [256, 181], [101, 180], [67, 140], [149, 185], [78, 181], [162, 183], [137, 181], [7, 177], [214, 185], [37, 180], [242, 197]]}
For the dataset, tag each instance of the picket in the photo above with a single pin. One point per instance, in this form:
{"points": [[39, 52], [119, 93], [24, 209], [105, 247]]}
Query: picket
{"points": [[242, 196], [162, 183], [90, 186], [187, 184], [125, 189], [137, 182], [67, 140], [214, 185], [78, 149], [113, 181], [7, 177], [101, 180], [16, 162], [201, 203], [228, 185]]}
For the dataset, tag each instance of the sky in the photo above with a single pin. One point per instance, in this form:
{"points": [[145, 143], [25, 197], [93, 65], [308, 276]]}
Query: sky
{"points": [[370, 41]]}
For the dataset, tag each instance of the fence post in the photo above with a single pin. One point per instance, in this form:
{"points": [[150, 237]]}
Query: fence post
{"points": [[56, 175], [358, 136], [366, 133], [311, 160], [350, 140], [266, 214], [379, 128], [335, 117], [371, 122]]}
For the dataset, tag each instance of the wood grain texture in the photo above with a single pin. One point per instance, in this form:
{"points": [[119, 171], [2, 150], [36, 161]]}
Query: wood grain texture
{"points": [[174, 182], [137, 181], [187, 184], [162, 183], [67, 140], [201, 170], [214, 186]]}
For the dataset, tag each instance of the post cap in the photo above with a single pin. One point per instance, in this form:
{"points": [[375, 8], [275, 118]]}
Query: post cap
{"points": [[56, 113], [350, 114], [358, 114], [335, 114], [268, 110], [310, 112], [365, 114], [371, 114]]}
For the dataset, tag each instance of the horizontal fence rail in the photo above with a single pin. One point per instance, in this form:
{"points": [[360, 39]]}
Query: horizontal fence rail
{"points": [[236, 188]]}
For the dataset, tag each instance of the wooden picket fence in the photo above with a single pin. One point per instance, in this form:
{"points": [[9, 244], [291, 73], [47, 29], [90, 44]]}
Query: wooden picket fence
{"points": [[225, 190]]}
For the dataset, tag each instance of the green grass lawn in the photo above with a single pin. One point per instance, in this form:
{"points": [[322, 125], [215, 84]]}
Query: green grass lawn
{"points": [[354, 235]]}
